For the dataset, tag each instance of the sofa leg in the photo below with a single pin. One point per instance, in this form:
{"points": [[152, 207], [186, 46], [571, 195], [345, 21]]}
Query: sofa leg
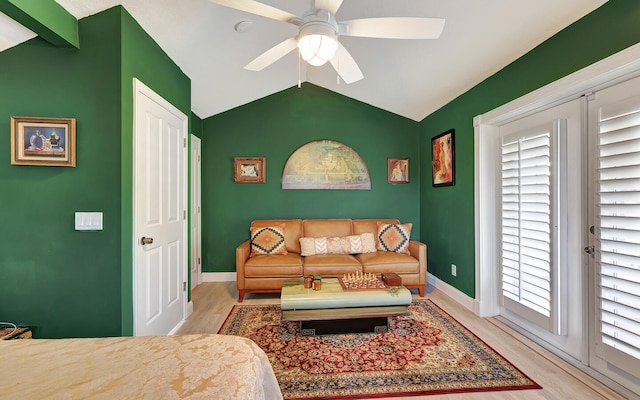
{"points": [[421, 291], [240, 296]]}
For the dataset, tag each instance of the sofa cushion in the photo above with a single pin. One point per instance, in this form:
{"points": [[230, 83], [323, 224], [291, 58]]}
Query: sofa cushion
{"points": [[267, 240], [326, 227], [292, 231], [388, 261], [331, 264], [282, 265], [353, 244], [394, 237]]}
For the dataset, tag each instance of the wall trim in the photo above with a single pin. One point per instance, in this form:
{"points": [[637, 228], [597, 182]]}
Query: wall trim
{"points": [[616, 68], [218, 277], [461, 298]]}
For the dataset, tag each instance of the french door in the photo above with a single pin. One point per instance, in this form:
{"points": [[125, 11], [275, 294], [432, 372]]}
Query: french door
{"points": [[614, 232], [540, 215]]}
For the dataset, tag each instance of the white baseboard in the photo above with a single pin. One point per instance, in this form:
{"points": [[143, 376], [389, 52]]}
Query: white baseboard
{"points": [[218, 277], [177, 327], [452, 292], [447, 289], [189, 308]]}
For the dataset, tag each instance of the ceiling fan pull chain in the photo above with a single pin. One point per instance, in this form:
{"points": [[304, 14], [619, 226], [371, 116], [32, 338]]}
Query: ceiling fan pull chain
{"points": [[299, 81]]}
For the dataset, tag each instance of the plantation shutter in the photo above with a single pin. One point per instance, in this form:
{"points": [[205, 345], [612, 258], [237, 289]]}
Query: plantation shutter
{"points": [[530, 169], [618, 231]]}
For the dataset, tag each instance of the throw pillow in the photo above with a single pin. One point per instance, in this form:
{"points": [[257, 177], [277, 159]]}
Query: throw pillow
{"points": [[394, 237], [267, 240], [355, 244], [311, 246], [368, 243]]}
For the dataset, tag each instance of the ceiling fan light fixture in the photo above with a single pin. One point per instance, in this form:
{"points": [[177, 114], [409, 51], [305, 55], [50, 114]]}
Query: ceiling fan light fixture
{"points": [[317, 49], [317, 43]]}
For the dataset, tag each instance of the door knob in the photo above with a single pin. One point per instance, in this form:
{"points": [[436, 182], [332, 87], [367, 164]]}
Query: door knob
{"points": [[590, 250], [146, 240]]}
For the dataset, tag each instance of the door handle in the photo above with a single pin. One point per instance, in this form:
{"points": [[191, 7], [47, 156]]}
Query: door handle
{"points": [[146, 240], [590, 250]]}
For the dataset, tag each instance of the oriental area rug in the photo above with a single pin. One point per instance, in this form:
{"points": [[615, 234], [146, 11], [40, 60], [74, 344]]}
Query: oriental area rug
{"points": [[426, 352]]}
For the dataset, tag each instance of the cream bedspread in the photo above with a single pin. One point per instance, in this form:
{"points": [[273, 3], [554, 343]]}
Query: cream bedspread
{"points": [[167, 367]]}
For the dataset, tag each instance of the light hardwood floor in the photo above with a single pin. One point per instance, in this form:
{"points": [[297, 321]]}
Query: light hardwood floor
{"points": [[213, 301]]}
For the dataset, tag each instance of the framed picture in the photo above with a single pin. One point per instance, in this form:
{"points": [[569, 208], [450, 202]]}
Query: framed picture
{"points": [[249, 170], [443, 159], [43, 141], [397, 170]]}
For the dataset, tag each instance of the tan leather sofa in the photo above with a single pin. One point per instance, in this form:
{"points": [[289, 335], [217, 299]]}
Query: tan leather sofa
{"points": [[265, 273]]}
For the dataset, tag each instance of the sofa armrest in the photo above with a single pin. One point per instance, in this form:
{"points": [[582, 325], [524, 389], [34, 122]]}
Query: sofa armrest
{"points": [[242, 255], [418, 250]]}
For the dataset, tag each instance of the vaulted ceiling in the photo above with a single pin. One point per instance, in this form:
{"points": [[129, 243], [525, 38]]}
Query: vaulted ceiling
{"points": [[412, 78]]}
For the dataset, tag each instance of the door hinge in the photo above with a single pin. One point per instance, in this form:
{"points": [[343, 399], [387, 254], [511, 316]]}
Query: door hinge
{"points": [[198, 157], [184, 214], [199, 261], [184, 141], [184, 286]]}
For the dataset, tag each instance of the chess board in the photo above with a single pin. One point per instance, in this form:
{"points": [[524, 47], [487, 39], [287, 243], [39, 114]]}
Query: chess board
{"points": [[352, 285]]}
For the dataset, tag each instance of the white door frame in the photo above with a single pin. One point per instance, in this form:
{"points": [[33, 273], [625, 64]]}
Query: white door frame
{"points": [[607, 72], [616, 68], [196, 210], [140, 89]]}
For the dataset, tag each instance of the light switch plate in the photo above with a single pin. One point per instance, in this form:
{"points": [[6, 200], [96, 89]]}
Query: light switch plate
{"points": [[88, 221]]}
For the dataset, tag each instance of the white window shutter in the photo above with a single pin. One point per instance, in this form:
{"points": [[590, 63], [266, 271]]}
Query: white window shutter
{"points": [[530, 229], [618, 223]]}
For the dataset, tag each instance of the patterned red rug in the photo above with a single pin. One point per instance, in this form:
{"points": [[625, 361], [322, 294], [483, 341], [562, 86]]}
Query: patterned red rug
{"points": [[424, 353]]}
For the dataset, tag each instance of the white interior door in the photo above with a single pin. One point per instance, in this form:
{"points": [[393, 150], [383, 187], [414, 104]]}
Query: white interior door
{"points": [[159, 213], [196, 220], [614, 130]]}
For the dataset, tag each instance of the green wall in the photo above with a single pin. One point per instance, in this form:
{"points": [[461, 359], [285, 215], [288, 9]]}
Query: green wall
{"points": [[62, 282], [274, 127], [447, 212]]}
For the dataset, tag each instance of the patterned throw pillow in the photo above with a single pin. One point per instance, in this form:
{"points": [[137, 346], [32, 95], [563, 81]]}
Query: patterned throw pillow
{"points": [[311, 246], [267, 240], [394, 237], [355, 244], [368, 243]]}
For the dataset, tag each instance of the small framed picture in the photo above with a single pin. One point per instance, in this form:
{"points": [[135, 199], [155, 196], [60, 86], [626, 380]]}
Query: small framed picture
{"points": [[249, 170], [443, 159], [397, 170], [43, 141]]}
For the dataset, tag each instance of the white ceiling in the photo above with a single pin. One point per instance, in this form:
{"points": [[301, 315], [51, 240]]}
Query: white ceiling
{"points": [[412, 78]]}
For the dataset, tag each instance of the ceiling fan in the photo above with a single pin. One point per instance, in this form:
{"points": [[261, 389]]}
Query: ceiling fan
{"points": [[318, 32]]}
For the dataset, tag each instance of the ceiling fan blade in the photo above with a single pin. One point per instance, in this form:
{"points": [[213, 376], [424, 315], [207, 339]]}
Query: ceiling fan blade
{"points": [[272, 55], [394, 27], [257, 8], [329, 5], [346, 66]]}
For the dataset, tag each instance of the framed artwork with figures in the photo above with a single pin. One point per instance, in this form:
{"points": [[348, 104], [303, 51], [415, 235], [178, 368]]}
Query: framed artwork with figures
{"points": [[397, 170], [43, 141], [443, 159]]}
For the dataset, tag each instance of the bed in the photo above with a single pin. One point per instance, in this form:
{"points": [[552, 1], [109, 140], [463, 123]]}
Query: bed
{"points": [[153, 367]]}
